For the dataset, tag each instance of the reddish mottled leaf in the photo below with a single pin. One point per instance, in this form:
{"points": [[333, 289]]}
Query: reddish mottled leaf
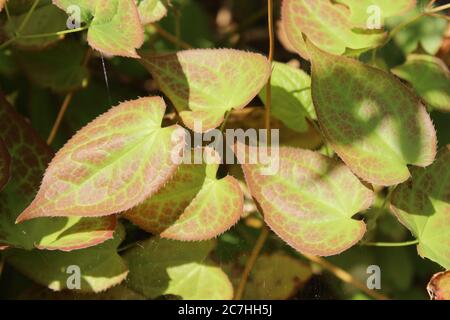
{"points": [[5, 165], [109, 166], [439, 286], [151, 10], [192, 206], [423, 206], [309, 202], [375, 123], [204, 84]]}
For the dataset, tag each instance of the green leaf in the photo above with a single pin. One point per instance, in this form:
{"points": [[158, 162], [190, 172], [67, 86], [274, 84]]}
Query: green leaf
{"points": [[373, 121], [58, 68], [191, 206], [151, 10], [430, 78], [166, 267], [109, 166], [325, 24], [305, 201], [439, 286], [100, 267], [423, 206], [115, 28], [291, 96], [5, 165], [360, 9], [29, 156], [204, 84]]}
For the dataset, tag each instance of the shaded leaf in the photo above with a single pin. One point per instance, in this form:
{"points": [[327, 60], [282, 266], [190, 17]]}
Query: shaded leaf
{"points": [[109, 166], [423, 206], [151, 10], [325, 24], [204, 84], [373, 121], [291, 96], [439, 286], [166, 267], [429, 77], [304, 202], [5, 165]]}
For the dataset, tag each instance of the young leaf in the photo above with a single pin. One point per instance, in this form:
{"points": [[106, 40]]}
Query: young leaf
{"points": [[162, 267], [109, 166], [423, 206], [309, 202], [439, 286], [204, 84], [327, 25], [151, 10], [291, 96], [99, 267], [5, 165], [362, 10], [373, 121], [430, 78], [29, 156], [191, 206]]}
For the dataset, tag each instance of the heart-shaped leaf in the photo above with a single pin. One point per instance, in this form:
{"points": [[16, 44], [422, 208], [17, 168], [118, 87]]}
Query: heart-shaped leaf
{"points": [[423, 206], [29, 156], [204, 84], [114, 25], [5, 165], [309, 202], [162, 267], [430, 78], [99, 267], [291, 96], [327, 25], [151, 10], [191, 206], [111, 165], [439, 286], [372, 120]]}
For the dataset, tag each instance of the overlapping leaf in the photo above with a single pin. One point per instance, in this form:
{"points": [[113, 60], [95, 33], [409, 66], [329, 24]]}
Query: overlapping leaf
{"points": [[423, 206], [373, 121], [191, 206], [100, 267], [291, 96], [325, 24], [29, 157], [109, 166], [309, 202], [114, 25], [5, 165], [439, 286], [205, 84], [166, 267], [151, 10], [430, 78]]}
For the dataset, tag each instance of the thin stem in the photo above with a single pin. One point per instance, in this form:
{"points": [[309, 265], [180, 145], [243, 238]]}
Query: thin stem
{"points": [[251, 262], [402, 25], [177, 28], [345, 276], [8, 15], [51, 34], [224, 123], [440, 8], [171, 38], [7, 43], [27, 17], [437, 15], [390, 244], [430, 4], [271, 54]]}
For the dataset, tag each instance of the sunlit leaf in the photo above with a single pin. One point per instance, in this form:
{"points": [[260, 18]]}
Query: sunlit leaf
{"points": [[291, 96], [423, 206], [439, 286], [109, 166], [310, 200], [151, 10], [100, 267], [191, 206], [29, 156], [5, 165], [166, 267], [373, 121], [429, 77], [205, 84], [325, 24]]}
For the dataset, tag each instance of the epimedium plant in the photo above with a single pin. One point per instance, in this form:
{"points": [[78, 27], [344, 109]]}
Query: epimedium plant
{"points": [[376, 140]]}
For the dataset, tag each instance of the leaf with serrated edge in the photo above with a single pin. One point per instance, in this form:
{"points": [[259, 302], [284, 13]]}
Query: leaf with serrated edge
{"points": [[29, 156], [291, 96], [309, 202], [151, 10], [5, 165], [109, 166], [100, 267], [423, 206], [191, 206], [162, 267], [204, 84], [373, 121], [327, 25], [361, 10], [439, 286], [430, 78]]}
